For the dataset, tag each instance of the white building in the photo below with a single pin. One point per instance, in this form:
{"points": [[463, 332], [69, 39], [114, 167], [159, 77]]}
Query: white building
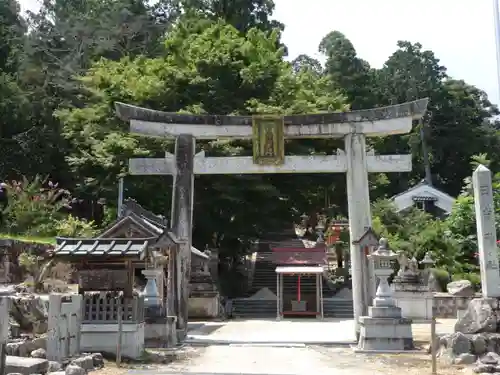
{"points": [[424, 195]]}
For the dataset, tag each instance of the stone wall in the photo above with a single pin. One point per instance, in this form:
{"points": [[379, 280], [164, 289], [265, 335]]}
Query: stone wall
{"points": [[448, 305]]}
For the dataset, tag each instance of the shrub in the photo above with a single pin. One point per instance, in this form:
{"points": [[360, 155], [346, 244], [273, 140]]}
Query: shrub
{"points": [[71, 226], [33, 207], [37, 209], [442, 277]]}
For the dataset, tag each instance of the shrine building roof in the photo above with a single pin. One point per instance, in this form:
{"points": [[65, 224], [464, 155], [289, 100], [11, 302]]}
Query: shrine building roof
{"points": [[102, 246]]}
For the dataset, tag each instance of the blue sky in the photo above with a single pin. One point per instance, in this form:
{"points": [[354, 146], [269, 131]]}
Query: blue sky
{"points": [[460, 32]]}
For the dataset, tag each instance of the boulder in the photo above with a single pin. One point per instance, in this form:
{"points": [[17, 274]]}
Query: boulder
{"points": [[464, 359], [86, 363], [481, 369], [30, 312], [54, 366], [39, 353], [75, 370], [25, 366], [459, 344], [98, 360], [460, 288], [490, 358], [479, 317], [479, 344]]}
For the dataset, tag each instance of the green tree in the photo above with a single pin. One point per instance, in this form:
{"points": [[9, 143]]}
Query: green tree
{"points": [[205, 63], [243, 15], [352, 75]]}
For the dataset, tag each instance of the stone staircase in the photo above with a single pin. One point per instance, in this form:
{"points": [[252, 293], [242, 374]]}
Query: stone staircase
{"points": [[338, 308], [265, 277]]}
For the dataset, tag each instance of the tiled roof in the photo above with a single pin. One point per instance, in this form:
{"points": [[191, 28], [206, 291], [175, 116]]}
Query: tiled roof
{"points": [[102, 246]]}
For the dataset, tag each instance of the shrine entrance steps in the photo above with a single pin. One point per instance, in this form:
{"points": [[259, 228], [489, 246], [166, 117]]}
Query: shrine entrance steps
{"points": [[245, 308]]}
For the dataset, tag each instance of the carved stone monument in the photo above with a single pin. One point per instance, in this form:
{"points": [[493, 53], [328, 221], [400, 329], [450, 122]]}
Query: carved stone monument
{"points": [[485, 309], [486, 232], [384, 329]]}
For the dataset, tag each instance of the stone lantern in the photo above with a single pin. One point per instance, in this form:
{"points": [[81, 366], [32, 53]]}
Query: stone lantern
{"points": [[384, 329], [382, 264], [152, 300], [428, 262], [427, 276], [320, 230]]}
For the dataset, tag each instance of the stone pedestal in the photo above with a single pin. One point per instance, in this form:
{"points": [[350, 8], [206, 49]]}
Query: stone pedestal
{"points": [[384, 329], [161, 332], [414, 300], [204, 298], [411, 294]]}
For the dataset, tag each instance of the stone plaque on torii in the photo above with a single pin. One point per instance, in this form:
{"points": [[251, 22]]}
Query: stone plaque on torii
{"points": [[268, 134]]}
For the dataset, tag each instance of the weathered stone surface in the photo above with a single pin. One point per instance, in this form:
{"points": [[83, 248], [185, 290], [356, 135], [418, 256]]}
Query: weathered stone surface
{"points": [[491, 358], [30, 312], [479, 344], [459, 344], [464, 359], [75, 370], [460, 288], [23, 347], [39, 353], [479, 317], [98, 360], [481, 369], [57, 373], [54, 366], [26, 366], [87, 362]]}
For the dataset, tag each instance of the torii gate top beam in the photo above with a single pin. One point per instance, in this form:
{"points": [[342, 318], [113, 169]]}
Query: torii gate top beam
{"points": [[396, 119]]}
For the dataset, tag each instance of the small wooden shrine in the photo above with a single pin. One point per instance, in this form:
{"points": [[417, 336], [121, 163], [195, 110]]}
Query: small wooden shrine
{"points": [[115, 259]]}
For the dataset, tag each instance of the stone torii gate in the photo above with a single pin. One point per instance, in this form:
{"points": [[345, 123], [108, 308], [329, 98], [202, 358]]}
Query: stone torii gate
{"points": [[268, 133]]}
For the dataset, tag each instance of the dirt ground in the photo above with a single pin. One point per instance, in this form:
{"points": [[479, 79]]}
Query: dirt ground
{"points": [[245, 355]]}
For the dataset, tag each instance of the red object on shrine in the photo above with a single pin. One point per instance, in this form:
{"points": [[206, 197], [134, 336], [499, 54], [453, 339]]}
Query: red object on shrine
{"points": [[298, 289], [334, 234]]}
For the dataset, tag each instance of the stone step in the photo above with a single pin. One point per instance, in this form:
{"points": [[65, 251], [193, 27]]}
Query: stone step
{"points": [[338, 308], [247, 308]]}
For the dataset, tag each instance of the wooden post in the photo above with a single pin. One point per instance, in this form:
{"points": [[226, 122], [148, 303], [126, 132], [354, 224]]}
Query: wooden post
{"points": [[433, 340], [277, 296], [182, 219], [4, 330], [321, 295], [119, 334]]}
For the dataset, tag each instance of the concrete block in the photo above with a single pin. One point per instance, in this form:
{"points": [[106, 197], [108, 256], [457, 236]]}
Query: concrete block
{"points": [[25, 365]]}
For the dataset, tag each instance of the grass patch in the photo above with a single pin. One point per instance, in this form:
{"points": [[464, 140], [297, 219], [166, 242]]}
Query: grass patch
{"points": [[34, 239]]}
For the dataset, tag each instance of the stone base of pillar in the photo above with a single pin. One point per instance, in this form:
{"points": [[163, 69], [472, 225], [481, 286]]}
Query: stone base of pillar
{"points": [[161, 332], [385, 330]]}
